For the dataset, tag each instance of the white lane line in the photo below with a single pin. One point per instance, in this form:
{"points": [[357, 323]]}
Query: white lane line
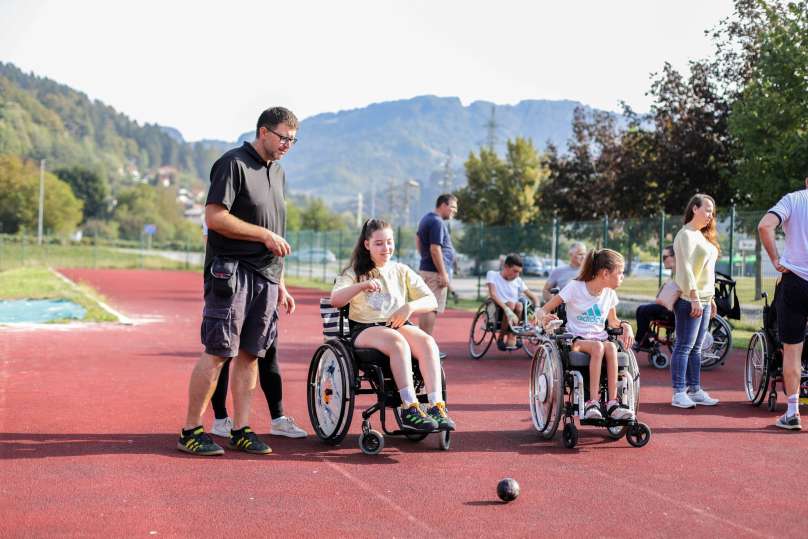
{"points": [[384, 498]]}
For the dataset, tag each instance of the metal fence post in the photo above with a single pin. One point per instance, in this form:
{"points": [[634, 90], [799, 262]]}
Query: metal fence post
{"points": [[556, 239], [605, 231], [731, 239], [311, 255], [661, 244], [297, 248], [479, 258], [339, 251], [325, 255]]}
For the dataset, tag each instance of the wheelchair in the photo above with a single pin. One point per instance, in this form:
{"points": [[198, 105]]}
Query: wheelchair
{"points": [[764, 361], [559, 389], [486, 327], [717, 341], [339, 372]]}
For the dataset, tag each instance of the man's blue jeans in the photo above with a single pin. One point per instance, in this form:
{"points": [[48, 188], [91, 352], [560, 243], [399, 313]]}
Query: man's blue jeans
{"points": [[686, 360]]}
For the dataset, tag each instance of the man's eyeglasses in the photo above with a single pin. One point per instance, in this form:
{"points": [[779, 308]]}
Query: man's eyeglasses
{"points": [[291, 141]]}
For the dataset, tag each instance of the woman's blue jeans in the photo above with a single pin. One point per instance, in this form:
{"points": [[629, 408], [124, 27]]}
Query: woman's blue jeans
{"points": [[686, 360]]}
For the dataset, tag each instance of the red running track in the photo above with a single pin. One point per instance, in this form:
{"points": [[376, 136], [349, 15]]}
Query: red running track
{"points": [[89, 419]]}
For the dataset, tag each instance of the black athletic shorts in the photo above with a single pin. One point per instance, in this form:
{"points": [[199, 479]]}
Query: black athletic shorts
{"points": [[792, 308], [358, 327]]}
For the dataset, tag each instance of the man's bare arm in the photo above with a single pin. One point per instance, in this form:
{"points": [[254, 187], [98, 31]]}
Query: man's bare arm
{"points": [[766, 229], [223, 222]]}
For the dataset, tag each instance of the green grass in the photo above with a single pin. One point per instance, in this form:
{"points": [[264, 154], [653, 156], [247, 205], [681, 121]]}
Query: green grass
{"points": [[16, 255], [41, 283]]}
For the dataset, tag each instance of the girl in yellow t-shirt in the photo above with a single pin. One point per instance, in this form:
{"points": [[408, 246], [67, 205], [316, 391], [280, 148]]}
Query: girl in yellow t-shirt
{"points": [[383, 295]]}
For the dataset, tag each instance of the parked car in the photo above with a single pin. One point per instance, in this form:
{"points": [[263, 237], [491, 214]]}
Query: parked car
{"points": [[495, 264], [533, 266], [315, 255], [648, 269]]}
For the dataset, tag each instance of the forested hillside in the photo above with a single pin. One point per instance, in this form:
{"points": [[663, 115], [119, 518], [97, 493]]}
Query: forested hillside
{"points": [[40, 118]]}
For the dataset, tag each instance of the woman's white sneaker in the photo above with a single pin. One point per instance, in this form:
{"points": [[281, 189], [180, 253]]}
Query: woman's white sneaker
{"points": [[702, 398], [221, 427], [285, 426], [682, 400]]}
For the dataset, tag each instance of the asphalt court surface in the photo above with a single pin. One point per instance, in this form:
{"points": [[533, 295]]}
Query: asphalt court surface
{"points": [[89, 419]]}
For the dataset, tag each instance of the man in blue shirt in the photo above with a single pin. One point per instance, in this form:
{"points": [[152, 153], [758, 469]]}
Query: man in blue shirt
{"points": [[437, 255]]}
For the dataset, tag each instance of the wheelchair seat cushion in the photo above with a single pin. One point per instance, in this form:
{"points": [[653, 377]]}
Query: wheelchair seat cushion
{"points": [[581, 359], [370, 356]]}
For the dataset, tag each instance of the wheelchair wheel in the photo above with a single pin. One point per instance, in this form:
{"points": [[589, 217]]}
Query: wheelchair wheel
{"points": [[717, 343], [756, 372], [570, 435], [638, 435], [330, 392], [546, 389], [482, 333], [445, 440], [371, 442], [659, 360]]}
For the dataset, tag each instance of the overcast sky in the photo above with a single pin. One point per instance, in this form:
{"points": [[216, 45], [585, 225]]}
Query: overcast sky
{"points": [[209, 68]]}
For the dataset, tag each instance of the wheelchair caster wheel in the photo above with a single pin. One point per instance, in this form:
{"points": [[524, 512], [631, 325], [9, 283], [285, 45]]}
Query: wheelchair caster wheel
{"points": [[658, 360], [569, 436], [371, 442], [638, 435], [772, 403], [444, 440]]}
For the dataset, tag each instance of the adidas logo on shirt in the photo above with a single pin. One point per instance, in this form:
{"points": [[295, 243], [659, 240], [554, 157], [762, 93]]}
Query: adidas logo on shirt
{"points": [[591, 316]]}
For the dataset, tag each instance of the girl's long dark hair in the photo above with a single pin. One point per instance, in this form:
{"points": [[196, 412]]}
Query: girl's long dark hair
{"points": [[361, 263], [597, 260], [710, 231]]}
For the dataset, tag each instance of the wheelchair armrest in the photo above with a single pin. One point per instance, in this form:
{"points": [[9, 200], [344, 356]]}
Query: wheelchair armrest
{"points": [[614, 332]]}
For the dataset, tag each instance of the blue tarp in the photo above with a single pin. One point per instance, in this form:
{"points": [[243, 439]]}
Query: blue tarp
{"points": [[39, 310]]}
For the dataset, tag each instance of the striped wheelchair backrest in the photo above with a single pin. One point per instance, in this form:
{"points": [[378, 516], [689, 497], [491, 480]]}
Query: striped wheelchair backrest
{"points": [[330, 316]]}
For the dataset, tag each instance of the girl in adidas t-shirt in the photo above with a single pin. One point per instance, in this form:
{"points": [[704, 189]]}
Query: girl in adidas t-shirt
{"points": [[591, 302]]}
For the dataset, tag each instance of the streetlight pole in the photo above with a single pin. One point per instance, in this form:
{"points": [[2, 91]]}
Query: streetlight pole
{"points": [[41, 200]]}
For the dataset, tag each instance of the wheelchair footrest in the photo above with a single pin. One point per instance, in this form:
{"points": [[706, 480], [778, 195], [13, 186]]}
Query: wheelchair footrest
{"points": [[608, 422]]}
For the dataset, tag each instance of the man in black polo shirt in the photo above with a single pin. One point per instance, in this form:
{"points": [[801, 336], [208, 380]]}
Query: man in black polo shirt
{"points": [[243, 277]]}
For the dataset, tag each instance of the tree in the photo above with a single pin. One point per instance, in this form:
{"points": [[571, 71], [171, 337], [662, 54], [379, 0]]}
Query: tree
{"points": [[319, 217], [90, 186], [769, 120], [144, 204], [502, 192], [19, 205], [580, 183]]}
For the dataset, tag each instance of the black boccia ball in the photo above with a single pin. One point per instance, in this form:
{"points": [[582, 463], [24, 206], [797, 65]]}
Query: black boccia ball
{"points": [[508, 490]]}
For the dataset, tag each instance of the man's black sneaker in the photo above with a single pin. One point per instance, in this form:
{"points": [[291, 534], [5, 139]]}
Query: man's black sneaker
{"points": [[244, 439], [414, 419], [790, 422], [196, 442], [439, 415]]}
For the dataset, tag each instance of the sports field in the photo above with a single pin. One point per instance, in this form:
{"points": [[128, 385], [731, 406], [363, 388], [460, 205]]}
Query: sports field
{"points": [[89, 420]]}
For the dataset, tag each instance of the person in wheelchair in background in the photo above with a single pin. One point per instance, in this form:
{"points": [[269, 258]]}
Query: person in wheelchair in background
{"points": [[661, 309], [383, 295], [590, 301], [505, 287]]}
